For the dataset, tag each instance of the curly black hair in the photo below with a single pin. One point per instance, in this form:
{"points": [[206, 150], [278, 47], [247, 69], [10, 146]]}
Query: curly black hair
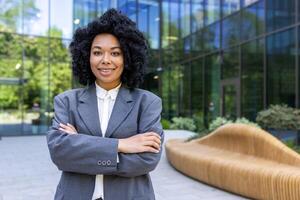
{"points": [[133, 45]]}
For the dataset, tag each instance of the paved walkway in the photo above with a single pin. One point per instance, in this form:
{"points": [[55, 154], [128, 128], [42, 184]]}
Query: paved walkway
{"points": [[27, 173]]}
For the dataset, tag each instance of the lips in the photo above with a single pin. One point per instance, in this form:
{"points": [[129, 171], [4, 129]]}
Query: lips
{"points": [[106, 71]]}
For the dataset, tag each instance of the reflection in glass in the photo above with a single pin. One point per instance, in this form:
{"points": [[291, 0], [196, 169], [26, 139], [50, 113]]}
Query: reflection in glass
{"points": [[174, 27], [230, 6], [84, 12], [197, 91], [231, 30], [253, 20], [212, 88], [197, 15], [230, 102], [196, 43], [280, 13], [10, 109], [185, 88], [248, 2], [61, 10], [213, 8], [281, 68], [252, 79], [153, 23], [185, 18], [211, 37], [38, 17], [11, 15], [165, 24], [230, 63]]}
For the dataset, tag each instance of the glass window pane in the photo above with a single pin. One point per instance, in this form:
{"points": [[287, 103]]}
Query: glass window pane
{"points": [[252, 79], [10, 84], [175, 77], [61, 10], [154, 24], [212, 87], [197, 43], [230, 6], [35, 91], [185, 18], [148, 21], [174, 22], [11, 15], [197, 91], [280, 14], [253, 21], [231, 30], [165, 23], [84, 12], [211, 37], [212, 9], [281, 68], [248, 2], [38, 21], [185, 90], [230, 63], [197, 15]]}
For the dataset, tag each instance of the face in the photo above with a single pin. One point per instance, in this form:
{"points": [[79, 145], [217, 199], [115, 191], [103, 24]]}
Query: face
{"points": [[106, 60]]}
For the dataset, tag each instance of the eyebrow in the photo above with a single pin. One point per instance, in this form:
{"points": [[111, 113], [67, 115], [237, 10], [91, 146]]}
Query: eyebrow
{"points": [[99, 47]]}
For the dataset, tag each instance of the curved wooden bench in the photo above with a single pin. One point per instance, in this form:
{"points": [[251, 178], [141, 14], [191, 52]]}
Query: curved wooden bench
{"points": [[241, 159]]}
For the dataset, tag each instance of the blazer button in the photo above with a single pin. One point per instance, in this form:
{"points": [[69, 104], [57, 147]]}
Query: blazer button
{"points": [[108, 162], [99, 162], [103, 162]]}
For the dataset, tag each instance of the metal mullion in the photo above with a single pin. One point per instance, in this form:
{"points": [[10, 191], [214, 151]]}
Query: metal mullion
{"points": [[265, 60], [297, 55]]}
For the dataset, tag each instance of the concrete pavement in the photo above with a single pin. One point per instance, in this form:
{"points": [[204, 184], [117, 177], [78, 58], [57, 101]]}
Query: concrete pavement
{"points": [[27, 173]]}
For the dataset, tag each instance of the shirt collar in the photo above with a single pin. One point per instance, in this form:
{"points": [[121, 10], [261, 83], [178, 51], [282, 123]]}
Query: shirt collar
{"points": [[101, 92]]}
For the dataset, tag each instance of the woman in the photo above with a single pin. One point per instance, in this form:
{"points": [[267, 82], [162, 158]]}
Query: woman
{"points": [[107, 137]]}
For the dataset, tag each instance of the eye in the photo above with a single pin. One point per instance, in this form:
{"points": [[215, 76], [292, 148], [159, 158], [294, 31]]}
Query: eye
{"points": [[97, 53], [115, 53]]}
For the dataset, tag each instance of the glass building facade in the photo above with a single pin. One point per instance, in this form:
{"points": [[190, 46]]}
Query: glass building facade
{"points": [[208, 58]]}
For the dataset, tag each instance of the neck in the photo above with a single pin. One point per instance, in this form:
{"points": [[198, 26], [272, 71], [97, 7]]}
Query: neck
{"points": [[108, 86]]}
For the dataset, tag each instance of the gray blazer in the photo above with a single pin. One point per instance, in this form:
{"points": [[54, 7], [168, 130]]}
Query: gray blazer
{"points": [[81, 156]]}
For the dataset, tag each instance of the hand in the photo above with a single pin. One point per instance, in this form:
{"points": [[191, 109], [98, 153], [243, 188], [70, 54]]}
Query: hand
{"points": [[144, 142], [69, 128]]}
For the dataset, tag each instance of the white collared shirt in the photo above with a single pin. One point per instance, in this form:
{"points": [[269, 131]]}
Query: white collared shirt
{"points": [[101, 95]]}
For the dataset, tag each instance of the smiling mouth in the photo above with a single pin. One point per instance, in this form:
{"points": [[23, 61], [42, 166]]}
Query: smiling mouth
{"points": [[106, 69]]}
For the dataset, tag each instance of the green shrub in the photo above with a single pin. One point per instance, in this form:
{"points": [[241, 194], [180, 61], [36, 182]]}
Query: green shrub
{"points": [[279, 117], [219, 121], [199, 122], [165, 123], [184, 123], [244, 120]]}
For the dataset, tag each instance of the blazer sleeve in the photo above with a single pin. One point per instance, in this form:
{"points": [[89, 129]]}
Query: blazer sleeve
{"points": [[131, 165], [79, 153]]}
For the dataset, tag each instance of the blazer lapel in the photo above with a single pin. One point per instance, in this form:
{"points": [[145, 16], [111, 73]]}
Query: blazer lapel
{"points": [[122, 108], [88, 110]]}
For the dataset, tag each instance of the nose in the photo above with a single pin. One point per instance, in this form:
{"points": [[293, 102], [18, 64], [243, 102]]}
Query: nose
{"points": [[106, 58]]}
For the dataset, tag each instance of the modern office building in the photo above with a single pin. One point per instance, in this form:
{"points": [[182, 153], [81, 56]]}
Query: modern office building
{"points": [[209, 58]]}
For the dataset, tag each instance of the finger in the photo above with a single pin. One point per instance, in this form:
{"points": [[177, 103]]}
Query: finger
{"points": [[72, 127], [153, 138], [66, 131], [154, 134], [62, 125], [152, 144], [151, 149]]}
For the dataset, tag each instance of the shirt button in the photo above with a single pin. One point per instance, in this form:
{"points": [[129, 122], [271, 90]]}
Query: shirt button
{"points": [[108, 162]]}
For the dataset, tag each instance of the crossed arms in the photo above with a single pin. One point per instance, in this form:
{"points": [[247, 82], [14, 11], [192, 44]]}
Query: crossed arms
{"points": [[81, 153]]}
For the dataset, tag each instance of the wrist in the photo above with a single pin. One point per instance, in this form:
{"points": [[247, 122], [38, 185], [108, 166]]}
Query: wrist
{"points": [[120, 145]]}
